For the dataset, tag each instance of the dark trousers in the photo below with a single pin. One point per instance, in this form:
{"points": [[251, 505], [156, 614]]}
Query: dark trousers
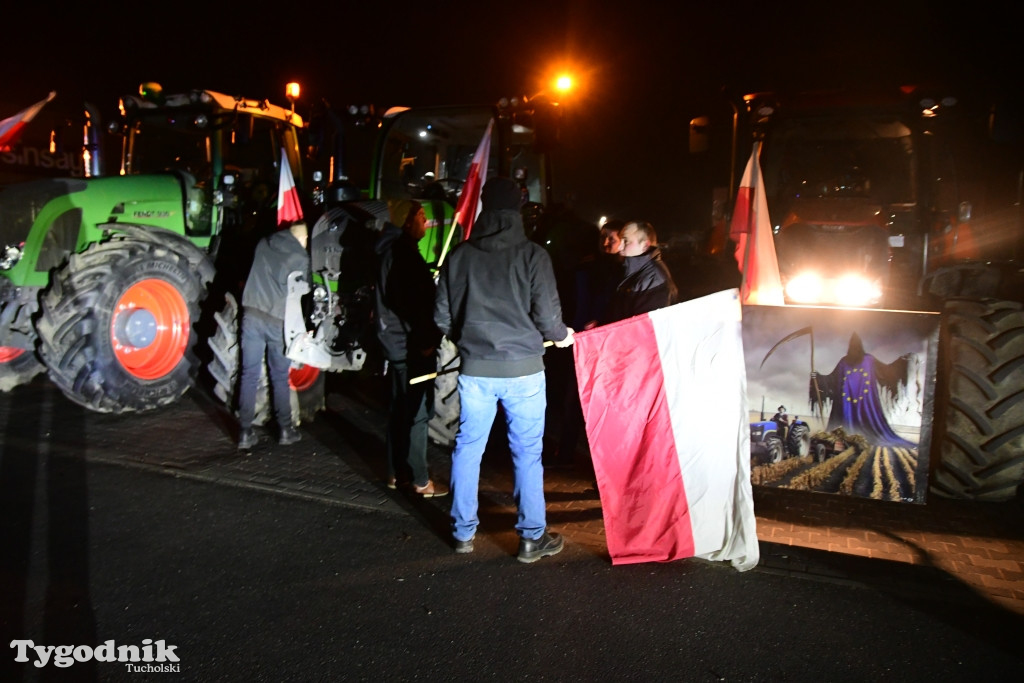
{"points": [[411, 408], [264, 337]]}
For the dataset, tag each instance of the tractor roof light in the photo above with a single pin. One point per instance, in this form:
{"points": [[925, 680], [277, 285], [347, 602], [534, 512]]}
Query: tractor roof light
{"points": [[291, 91], [151, 91]]}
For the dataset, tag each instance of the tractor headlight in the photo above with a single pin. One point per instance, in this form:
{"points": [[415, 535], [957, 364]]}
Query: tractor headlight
{"points": [[847, 290], [11, 255], [806, 288], [856, 290]]}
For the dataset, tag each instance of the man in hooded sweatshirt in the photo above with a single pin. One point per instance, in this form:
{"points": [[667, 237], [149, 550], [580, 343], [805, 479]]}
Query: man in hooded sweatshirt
{"points": [[409, 338], [497, 301], [263, 308]]}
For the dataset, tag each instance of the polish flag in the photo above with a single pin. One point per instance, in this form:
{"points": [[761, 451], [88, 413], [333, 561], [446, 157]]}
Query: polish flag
{"points": [[751, 230], [289, 210], [11, 127], [469, 202], [664, 399]]}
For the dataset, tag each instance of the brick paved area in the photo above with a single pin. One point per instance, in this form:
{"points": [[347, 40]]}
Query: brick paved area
{"points": [[977, 548]]}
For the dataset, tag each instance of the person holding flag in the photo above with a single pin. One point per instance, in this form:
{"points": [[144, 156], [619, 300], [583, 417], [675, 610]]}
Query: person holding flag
{"points": [[497, 301]]}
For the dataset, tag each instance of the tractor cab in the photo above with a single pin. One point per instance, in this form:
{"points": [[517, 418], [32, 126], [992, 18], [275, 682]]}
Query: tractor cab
{"points": [[225, 152], [426, 154]]}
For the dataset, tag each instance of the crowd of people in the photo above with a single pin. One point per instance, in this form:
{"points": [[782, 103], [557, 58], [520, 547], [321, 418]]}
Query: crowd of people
{"points": [[498, 300]]}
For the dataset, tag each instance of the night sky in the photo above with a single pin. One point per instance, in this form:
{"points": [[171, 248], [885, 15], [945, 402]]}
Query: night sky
{"points": [[647, 67]]}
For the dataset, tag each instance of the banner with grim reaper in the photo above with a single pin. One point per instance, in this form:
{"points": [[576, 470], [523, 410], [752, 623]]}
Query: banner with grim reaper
{"points": [[840, 400]]}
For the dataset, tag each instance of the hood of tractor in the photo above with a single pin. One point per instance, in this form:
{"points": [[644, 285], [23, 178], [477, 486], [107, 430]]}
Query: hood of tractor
{"points": [[42, 222]]}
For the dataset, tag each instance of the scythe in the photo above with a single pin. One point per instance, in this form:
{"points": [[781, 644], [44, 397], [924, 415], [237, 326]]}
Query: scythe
{"points": [[809, 330]]}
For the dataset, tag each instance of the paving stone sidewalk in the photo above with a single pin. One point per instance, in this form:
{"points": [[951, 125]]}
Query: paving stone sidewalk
{"points": [[969, 549]]}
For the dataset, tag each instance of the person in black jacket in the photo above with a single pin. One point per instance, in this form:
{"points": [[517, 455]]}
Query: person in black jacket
{"points": [[647, 284], [409, 338], [497, 301], [263, 307]]}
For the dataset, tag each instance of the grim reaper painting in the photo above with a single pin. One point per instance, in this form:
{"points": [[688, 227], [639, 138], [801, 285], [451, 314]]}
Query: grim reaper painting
{"points": [[858, 388]]}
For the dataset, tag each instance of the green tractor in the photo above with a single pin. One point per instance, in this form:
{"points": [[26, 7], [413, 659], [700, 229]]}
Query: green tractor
{"points": [[104, 281], [426, 153]]}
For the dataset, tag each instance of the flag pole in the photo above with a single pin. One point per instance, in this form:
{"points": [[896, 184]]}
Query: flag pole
{"points": [[448, 239], [751, 237], [432, 375]]}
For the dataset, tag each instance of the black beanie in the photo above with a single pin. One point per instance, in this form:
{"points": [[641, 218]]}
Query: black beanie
{"points": [[501, 193]]}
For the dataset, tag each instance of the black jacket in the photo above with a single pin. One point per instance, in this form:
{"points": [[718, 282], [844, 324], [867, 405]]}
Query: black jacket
{"points": [[497, 301], [646, 285], [266, 288], [404, 297]]}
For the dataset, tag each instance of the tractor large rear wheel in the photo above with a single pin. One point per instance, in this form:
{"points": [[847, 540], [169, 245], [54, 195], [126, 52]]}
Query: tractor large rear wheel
{"points": [[445, 422], [306, 382], [116, 326], [19, 364], [981, 388]]}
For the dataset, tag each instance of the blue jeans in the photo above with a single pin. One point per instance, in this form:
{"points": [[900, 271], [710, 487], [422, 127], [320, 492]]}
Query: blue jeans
{"points": [[261, 336], [523, 400]]}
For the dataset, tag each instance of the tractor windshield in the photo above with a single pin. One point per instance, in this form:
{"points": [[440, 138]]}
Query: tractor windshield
{"points": [[868, 159], [428, 152], [169, 141]]}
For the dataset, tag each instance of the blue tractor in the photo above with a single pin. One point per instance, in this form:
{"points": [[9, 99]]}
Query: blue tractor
{"points": [[774, 440]]}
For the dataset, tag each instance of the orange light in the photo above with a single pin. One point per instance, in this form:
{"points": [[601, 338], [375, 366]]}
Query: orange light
{"points": [[563, 83], [291, 91]]}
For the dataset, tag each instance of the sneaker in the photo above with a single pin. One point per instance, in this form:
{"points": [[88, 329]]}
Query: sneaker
{"points": [[533, 550], [289, 435], [431, 490], [392, 483], [246, 439], [463, 547]]}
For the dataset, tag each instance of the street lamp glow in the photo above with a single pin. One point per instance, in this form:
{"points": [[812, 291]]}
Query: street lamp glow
{"points": [[563, 83]]}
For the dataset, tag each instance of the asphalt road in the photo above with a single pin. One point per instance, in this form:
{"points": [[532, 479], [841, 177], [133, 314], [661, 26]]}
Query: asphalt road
{"points": [[250, 585]]}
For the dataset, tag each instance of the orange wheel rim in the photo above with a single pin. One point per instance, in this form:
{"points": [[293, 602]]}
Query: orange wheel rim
{"points": [[302, 377], [150, 328], [9, 353]]}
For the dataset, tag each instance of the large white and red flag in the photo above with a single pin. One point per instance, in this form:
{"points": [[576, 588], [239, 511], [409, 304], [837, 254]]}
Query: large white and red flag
{"points": [[664, 399], [289, 210], [469, 202], [11, 127], [751, 230]]}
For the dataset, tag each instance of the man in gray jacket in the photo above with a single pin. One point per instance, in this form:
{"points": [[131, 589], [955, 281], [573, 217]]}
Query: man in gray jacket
{"points": [[496, 300], [263, 306]]}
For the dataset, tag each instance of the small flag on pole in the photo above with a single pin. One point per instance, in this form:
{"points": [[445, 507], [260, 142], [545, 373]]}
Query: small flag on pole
{"points": [[469, 202], [751, 230], [11, 127], [289, 210]]}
